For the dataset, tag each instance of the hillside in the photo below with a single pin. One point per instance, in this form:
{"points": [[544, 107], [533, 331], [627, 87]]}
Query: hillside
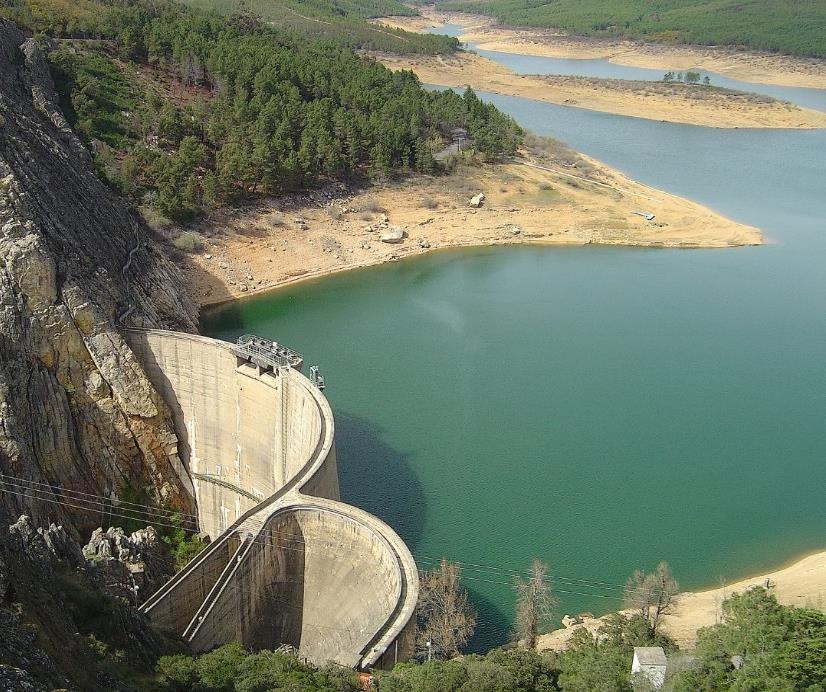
{"points": [[794, 27], [341, 21], [187, 111]]}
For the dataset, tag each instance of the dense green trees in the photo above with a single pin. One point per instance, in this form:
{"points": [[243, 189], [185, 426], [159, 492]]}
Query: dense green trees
{"points": [[340, 21], [797, 27], [232, 669], [254, 111], [779, 648]]}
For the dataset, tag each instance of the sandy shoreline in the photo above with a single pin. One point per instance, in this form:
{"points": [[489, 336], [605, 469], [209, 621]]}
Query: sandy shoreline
{"points": [[279, 242], [679, 103], [801, 583], [764, 68]]}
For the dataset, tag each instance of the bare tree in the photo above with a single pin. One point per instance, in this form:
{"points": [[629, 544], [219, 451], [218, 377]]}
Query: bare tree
{"points": [[446, 617], [535, 604], [651, 595], [190, 69]]}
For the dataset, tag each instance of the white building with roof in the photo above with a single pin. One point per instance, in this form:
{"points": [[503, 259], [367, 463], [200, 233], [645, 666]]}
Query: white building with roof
{"points": [[649, 664]]}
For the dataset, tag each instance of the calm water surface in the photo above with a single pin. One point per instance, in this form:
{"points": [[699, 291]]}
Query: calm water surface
{"points": [[599, 408], [530, 64]]}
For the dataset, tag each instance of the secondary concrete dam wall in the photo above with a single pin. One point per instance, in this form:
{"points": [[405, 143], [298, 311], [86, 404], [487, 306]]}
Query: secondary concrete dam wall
{"points": [[289, 563]]}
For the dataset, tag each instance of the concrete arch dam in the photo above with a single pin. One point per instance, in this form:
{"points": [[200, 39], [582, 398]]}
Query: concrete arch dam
{"points": [[289, 563]]}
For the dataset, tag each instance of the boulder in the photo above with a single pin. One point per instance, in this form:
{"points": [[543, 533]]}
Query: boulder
{"points": [[393, 234], [477, 200]]}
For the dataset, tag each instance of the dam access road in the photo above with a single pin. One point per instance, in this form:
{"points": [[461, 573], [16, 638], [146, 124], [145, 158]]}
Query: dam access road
{"points": [[288, 562]]}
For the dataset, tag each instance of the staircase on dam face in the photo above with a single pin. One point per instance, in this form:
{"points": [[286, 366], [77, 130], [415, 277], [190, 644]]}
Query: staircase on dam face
{"points": [[289, 563]]}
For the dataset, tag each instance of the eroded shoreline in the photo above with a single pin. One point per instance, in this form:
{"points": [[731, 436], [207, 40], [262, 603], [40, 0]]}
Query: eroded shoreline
{"points": [[561, 199], [747, 66], [678, 103]]}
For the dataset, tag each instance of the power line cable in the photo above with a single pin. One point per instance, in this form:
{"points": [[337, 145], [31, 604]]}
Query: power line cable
{"points": [[148, 511]]}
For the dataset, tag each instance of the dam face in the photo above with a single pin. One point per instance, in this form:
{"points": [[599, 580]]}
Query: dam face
{"points": [[288, 563]]}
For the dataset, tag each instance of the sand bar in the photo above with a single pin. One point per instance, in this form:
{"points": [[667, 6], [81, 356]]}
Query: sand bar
{"points": [[748, 66], [679, 103]]}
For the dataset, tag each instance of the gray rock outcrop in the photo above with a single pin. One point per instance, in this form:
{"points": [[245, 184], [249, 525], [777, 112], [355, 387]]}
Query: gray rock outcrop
{"points": [[76, 409], [43, 545], [132, 565]]}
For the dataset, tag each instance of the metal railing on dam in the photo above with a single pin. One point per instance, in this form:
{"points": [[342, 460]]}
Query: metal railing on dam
{"points": [[298, 567]]}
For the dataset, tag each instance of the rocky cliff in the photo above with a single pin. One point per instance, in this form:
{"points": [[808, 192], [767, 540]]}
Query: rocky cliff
{"points": [[76, 264]]}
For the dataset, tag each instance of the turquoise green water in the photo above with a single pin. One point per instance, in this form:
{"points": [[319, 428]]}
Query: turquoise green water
{"points": [[598, 408], [533, 64]]}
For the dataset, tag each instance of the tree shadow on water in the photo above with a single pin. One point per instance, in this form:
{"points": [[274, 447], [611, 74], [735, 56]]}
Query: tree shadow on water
{"points": [[493, 627], [377, 478]]}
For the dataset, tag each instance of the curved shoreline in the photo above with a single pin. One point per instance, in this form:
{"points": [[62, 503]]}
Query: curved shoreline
{"points": [[747, 66], [799, 582], [528, 202], [677, 103]]}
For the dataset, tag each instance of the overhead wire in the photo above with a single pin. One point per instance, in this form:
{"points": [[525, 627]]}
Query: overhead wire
{"points": [[49, 495]]}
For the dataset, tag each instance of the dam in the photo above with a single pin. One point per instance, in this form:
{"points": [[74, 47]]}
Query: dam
{"points": [[289, 563]]}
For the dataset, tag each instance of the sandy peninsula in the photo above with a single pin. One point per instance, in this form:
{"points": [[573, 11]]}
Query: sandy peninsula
{"points": [[802, 583], [679, 103], [552, 196], [749, 66]]}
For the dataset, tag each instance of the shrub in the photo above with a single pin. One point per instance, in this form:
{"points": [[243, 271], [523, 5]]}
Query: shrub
{"points": [[429, 203], [188, 241], [276, 221], [177, 673], [372, 206], [218, 669], [154, 218]]}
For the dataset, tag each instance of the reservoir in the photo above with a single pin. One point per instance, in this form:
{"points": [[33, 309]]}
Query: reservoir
{"points": [[604, 69], [601, 409]]}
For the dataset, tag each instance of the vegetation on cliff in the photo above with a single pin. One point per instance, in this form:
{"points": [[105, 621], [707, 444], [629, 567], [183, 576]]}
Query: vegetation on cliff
{"points": [[796, 27], [188, 110]]}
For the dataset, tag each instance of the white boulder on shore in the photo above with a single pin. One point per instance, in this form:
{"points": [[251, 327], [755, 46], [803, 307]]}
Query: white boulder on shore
{"points": [[476, 200], [393, 234]]}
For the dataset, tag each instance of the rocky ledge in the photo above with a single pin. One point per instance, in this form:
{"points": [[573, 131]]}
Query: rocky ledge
{"points": [[76, 264]]}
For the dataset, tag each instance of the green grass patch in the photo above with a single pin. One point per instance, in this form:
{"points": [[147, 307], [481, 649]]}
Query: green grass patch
{"points": [[96, 96]]}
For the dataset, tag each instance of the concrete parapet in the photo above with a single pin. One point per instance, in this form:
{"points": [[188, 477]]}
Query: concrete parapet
{"points": [[297, 567]]}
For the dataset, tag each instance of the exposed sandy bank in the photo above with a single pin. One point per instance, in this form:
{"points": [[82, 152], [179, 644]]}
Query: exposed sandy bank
{"points": [[764, 68], [800, 584], [679, 103], [283, 241]]}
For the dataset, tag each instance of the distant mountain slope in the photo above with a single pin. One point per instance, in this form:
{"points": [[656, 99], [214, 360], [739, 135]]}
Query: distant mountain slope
{"points": [[342, 21], [795, 27]]}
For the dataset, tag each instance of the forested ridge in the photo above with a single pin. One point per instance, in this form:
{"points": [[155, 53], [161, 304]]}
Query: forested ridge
{"points": [[795, 27], [342, 21], [187, 110]]}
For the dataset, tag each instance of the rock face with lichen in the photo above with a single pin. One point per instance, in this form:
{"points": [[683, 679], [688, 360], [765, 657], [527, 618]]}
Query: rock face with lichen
{"points": [[76, 266]]}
